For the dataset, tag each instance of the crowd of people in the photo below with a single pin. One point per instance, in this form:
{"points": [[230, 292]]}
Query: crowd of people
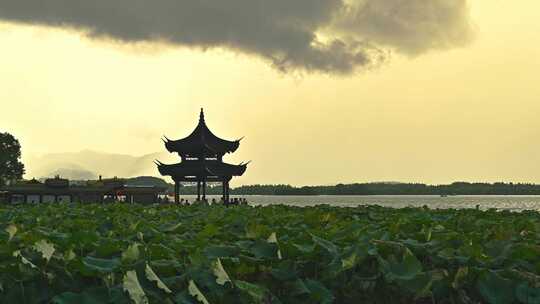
{"points": [[232, 202]]}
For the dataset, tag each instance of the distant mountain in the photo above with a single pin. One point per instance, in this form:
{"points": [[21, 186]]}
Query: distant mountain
{"points": [[72, 174], [88, 164], [149, 181]]}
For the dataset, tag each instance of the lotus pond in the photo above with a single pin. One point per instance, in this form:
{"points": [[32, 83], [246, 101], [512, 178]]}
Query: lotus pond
{"points": [[275, 254]]}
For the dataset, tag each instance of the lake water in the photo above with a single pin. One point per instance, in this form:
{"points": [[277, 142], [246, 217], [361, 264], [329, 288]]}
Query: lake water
{"points": [[502, 202]]}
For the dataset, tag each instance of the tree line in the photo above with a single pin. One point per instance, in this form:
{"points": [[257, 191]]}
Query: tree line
{"points": [[12, 169]]}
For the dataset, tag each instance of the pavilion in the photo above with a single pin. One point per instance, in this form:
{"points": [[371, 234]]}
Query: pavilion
{"points": [[201, 156]]}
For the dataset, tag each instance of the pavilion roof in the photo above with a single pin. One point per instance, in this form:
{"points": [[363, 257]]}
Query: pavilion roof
{"points": [[200, 141], [202, 168]]}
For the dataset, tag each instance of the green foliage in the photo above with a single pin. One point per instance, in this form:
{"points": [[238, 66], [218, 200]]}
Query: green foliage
{"points": [[131, 254], [11, 230], [221, 275], [45, 248], [277, 254], [133, 288], [151, 275], [11, 167]]}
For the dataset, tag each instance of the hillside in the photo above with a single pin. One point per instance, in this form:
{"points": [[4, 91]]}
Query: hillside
{"points": [[88, 164]]}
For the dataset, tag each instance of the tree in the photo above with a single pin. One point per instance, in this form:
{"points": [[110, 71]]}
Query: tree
{"points": [[11, 168]]}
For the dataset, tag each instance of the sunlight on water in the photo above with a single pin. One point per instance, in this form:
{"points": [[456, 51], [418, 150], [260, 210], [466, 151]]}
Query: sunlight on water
{"points": [[502, 202], [514, 203]]}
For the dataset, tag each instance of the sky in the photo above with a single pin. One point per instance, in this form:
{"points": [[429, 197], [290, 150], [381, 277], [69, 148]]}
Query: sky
{"points": [[324, 91]]}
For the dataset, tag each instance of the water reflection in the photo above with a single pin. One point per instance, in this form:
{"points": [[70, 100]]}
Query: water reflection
{"points": [[502, 202]]}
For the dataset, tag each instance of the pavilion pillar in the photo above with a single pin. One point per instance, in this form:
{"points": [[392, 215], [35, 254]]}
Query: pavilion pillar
{"points": [[204, 190], [176, 192], [227, 192], [223, 190], [198, 190]]}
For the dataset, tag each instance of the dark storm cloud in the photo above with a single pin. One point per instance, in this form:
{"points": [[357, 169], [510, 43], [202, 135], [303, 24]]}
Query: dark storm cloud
{"points": [[328, 36]]}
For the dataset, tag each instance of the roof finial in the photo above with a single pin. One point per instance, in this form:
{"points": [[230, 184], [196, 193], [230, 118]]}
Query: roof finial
{"points": [[201, 116]]}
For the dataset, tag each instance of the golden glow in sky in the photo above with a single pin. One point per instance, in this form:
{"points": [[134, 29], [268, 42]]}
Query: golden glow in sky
{"points": [[469, 113]]}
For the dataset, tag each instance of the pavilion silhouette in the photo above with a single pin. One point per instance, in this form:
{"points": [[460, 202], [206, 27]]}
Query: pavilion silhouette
{"points": [[201, 155]]}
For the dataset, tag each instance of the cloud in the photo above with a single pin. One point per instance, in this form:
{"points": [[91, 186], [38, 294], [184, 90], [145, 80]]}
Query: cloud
{"points": [[329, 36], [409, 26]]}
